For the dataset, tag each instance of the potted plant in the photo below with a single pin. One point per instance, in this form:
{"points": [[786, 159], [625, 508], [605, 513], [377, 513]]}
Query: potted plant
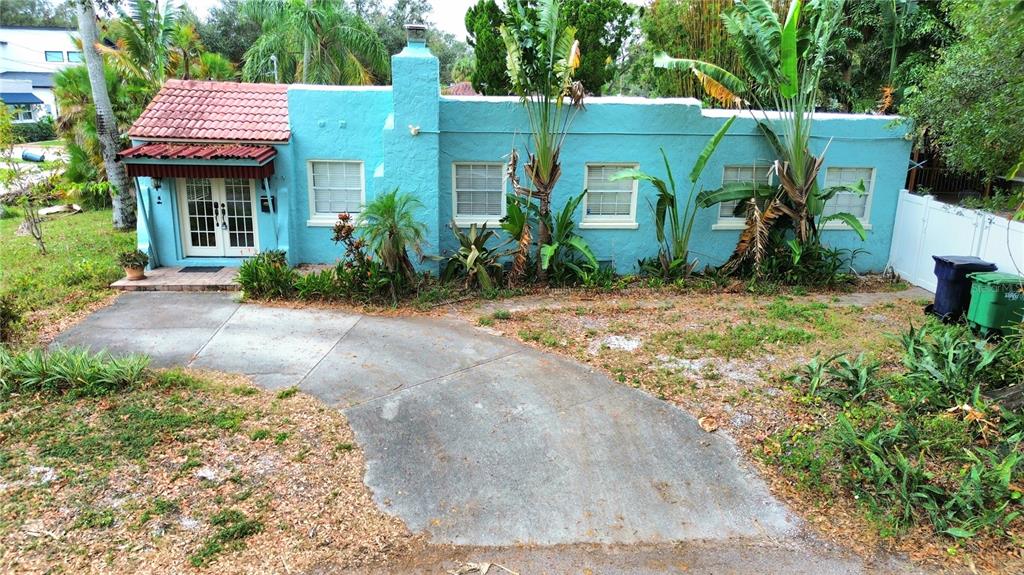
{"points": [[134, 264]]}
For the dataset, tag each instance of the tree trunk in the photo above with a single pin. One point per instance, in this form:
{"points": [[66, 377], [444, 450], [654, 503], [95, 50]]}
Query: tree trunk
{"points": [[306, 51], [106, 124]]}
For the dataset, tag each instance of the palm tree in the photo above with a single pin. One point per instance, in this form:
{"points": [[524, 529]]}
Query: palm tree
{"points": [[390, 228], [542, 55], [106, 123], [77, 119], [315, 42], [785, 60], [144, 35]]}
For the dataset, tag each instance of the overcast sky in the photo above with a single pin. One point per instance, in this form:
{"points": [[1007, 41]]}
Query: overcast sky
{"points": [[448, 15]]}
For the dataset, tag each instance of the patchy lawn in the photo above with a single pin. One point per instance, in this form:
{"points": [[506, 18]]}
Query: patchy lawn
{"points": [[725, 358], [190, 473], [54, 290]]}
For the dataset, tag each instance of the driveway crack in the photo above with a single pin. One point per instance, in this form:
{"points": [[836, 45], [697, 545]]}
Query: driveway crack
{"points": [[324, 356], [401, 388], [199, 351]]}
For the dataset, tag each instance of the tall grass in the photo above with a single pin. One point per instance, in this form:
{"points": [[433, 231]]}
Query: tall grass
{"points": [[74, 372]]}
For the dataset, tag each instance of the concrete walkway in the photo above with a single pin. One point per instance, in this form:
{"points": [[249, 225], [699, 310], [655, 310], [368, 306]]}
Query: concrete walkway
{"points": [[474, 439]]}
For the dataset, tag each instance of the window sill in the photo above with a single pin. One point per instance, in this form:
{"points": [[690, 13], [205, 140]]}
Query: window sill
{"points": [[840, 226], [328, 222], [491, 224], [609, 225], [729, 226], [831, 226]]}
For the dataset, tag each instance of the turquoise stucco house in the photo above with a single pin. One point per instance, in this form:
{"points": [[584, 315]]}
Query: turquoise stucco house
{"points": [[225, 170]]}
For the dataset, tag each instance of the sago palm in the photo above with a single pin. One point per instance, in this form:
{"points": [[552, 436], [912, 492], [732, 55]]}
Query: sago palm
{"points": [[542, 55], [390, 228], [784, 60], [314, 42]]}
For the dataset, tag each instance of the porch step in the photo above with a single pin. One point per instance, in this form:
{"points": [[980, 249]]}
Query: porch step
{"points": [[173, 279]]}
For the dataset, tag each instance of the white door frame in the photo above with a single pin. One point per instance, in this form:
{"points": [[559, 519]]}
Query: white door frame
{"points": [[221, 247]]}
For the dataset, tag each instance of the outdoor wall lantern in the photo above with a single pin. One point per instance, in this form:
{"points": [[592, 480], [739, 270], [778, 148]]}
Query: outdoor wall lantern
{"points": [[157, 183]]}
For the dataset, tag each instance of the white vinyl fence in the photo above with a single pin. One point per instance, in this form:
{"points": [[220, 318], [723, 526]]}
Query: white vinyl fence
{"points": [[926, 227]]}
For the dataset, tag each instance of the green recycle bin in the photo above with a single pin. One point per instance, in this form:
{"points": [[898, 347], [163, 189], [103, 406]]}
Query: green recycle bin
{"points": [[997, 301]]}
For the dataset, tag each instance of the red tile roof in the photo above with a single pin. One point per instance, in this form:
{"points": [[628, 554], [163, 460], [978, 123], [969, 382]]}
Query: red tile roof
{"points": [[460, 89], [220, 111], [185, 151]]}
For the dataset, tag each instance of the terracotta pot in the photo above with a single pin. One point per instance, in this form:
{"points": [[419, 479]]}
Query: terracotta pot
{"points": [[135, 274]]}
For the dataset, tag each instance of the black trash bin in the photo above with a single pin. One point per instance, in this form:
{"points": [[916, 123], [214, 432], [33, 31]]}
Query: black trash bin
{"points": [[953, 293]]}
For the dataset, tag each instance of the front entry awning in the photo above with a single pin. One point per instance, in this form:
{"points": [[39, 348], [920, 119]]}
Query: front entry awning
{"points": [[19, 98], [188, 160]]}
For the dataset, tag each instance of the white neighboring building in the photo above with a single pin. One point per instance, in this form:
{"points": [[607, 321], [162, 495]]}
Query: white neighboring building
{"points": [[34, 55]]}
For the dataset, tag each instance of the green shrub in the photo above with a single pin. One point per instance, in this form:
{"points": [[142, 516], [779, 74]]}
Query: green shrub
{"points": [[35, 131], [267, 276], [75, 372], [922, 445], [92, 195], [10, 318], [321, 285]]}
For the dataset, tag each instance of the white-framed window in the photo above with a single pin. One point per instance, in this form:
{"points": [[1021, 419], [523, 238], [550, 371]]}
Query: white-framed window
{"points": [[609, 204], [75, 56], [478, 192], [857, 204], [335, 186], [21, 112], [53, 55], [740, 174]]}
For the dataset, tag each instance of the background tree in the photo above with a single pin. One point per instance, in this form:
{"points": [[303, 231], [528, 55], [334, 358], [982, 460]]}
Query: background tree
{"points": [[38, 13], [227, 31], [107, 134], [390, 24], [602, 27], [315, 42], [971, 104], [482, 23]]}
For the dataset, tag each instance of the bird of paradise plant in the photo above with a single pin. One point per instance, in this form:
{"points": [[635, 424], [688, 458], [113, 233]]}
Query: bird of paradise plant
{"points": [[542, 55], [785, 60]]}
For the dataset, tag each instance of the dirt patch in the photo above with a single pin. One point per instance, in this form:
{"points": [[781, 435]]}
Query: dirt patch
{"points": [[216, 477], [724, 358]]}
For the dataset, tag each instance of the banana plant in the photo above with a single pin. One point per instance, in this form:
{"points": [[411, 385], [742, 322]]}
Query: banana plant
{"points": [[671, 210], [784, 59]]}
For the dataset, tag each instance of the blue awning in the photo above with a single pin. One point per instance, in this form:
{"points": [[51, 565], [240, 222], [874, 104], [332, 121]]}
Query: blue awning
{"points": [[14, 98]]}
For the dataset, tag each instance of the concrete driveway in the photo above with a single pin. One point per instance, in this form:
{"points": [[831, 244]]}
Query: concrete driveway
{"points": [[474, 439]]}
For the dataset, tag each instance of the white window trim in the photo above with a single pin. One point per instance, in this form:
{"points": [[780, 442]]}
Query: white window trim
{"points": [[327, 220], [732, 223], [740, 224], [865, 221], [610, 222], [490, 221]]}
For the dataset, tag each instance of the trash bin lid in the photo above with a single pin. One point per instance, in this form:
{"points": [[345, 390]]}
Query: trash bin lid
{"points": [[967, 263], [997, 278]]}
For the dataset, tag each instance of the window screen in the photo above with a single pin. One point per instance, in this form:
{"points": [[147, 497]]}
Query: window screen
{"points": [[479, 190], [608, 200], [849, 202], [337, 187], [738, 175]]}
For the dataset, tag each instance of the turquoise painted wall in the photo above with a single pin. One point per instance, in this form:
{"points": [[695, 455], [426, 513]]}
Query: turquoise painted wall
{"points": [[632, 130], [376, 126]]}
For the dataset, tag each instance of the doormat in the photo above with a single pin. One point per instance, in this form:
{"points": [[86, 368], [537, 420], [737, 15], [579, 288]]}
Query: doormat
{"points": [[200, 269]]}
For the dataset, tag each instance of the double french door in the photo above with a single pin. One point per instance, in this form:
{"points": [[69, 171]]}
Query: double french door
{"points": [[218, 217]]}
